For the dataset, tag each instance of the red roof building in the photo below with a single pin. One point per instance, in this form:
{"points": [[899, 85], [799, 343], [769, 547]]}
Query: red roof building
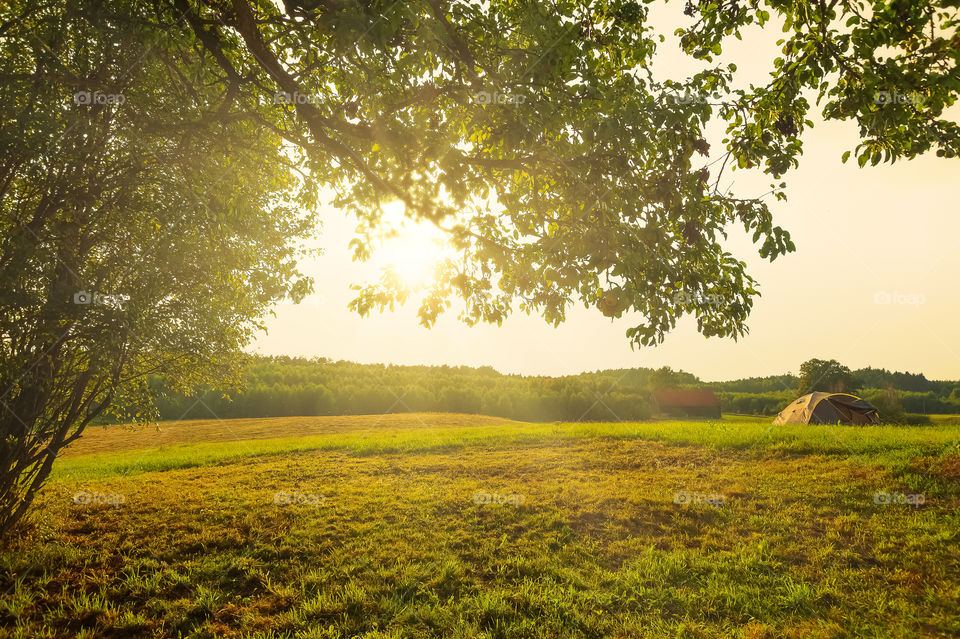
{"points": [[687, 403]]}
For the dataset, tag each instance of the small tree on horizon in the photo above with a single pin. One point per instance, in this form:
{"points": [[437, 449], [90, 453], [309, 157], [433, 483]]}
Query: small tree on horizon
{"points": [[829, 376], [889, 405]]}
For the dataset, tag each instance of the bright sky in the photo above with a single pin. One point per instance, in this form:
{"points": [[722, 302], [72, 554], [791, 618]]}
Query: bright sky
{"points": [[873, 282]]}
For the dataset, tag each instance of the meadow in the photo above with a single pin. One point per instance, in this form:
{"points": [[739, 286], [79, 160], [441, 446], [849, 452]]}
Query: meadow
{"points": [[440, 525]]}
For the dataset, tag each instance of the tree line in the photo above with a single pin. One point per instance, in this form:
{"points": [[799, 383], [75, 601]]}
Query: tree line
{"points": [[896, 394], [284, 386], [288, 386]]}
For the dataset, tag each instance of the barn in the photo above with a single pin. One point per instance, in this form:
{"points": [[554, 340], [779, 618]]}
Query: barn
{"points": [[687, 403]]}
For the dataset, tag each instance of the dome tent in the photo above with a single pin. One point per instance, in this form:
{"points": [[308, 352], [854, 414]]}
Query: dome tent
{"points": [[828, 408]]}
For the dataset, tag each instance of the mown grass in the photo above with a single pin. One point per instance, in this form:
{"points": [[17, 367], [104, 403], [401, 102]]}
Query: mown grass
{"points": [[113, 438], [394, 544], [945, 420], [887, 444]]}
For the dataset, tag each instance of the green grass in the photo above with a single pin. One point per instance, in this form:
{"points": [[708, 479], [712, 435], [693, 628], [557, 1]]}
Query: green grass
{"points": [[389, 540], [945, 420], [889, 443]]}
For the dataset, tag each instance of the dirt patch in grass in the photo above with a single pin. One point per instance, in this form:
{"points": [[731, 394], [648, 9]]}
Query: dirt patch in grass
{"points": [[945, 467]]}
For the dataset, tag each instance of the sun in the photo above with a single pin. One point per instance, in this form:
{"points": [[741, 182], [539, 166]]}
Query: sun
{"points": [[411, 250]]}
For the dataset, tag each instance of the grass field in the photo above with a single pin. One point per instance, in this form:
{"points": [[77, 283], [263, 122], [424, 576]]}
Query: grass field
{"points": [[461, 526]]}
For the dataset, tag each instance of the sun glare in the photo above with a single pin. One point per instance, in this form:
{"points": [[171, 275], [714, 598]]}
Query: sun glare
{"points": [[412, 250]]}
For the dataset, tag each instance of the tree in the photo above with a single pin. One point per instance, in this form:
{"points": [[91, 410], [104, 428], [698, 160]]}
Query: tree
{"points": [[889, 405], [665, 378], [537, 135], [145, 229], [828, 376]]}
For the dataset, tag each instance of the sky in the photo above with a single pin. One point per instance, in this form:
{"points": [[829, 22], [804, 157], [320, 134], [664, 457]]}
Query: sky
{"points": [[873, 282]]}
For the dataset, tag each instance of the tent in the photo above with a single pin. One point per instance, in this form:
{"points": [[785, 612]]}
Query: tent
{"points": [[828, 408]]}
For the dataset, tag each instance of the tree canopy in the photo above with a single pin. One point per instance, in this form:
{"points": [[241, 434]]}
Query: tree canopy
{"points": [[564, 170], [140, 232], [827, 376]]}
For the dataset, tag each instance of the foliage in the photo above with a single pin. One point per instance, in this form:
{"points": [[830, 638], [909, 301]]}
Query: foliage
{"points": [[142, 231], [771, 384], [296, 386], [890, 65], [827, 376], [667, 378], [888, 404], [539, 137], [882, 378], [767, 403]]}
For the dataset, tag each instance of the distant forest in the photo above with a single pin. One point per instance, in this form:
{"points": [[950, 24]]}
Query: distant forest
{"points": [[285, 386]]}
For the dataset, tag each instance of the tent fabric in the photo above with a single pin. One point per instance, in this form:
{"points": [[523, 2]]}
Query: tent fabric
{"points": [[828, 408]]}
